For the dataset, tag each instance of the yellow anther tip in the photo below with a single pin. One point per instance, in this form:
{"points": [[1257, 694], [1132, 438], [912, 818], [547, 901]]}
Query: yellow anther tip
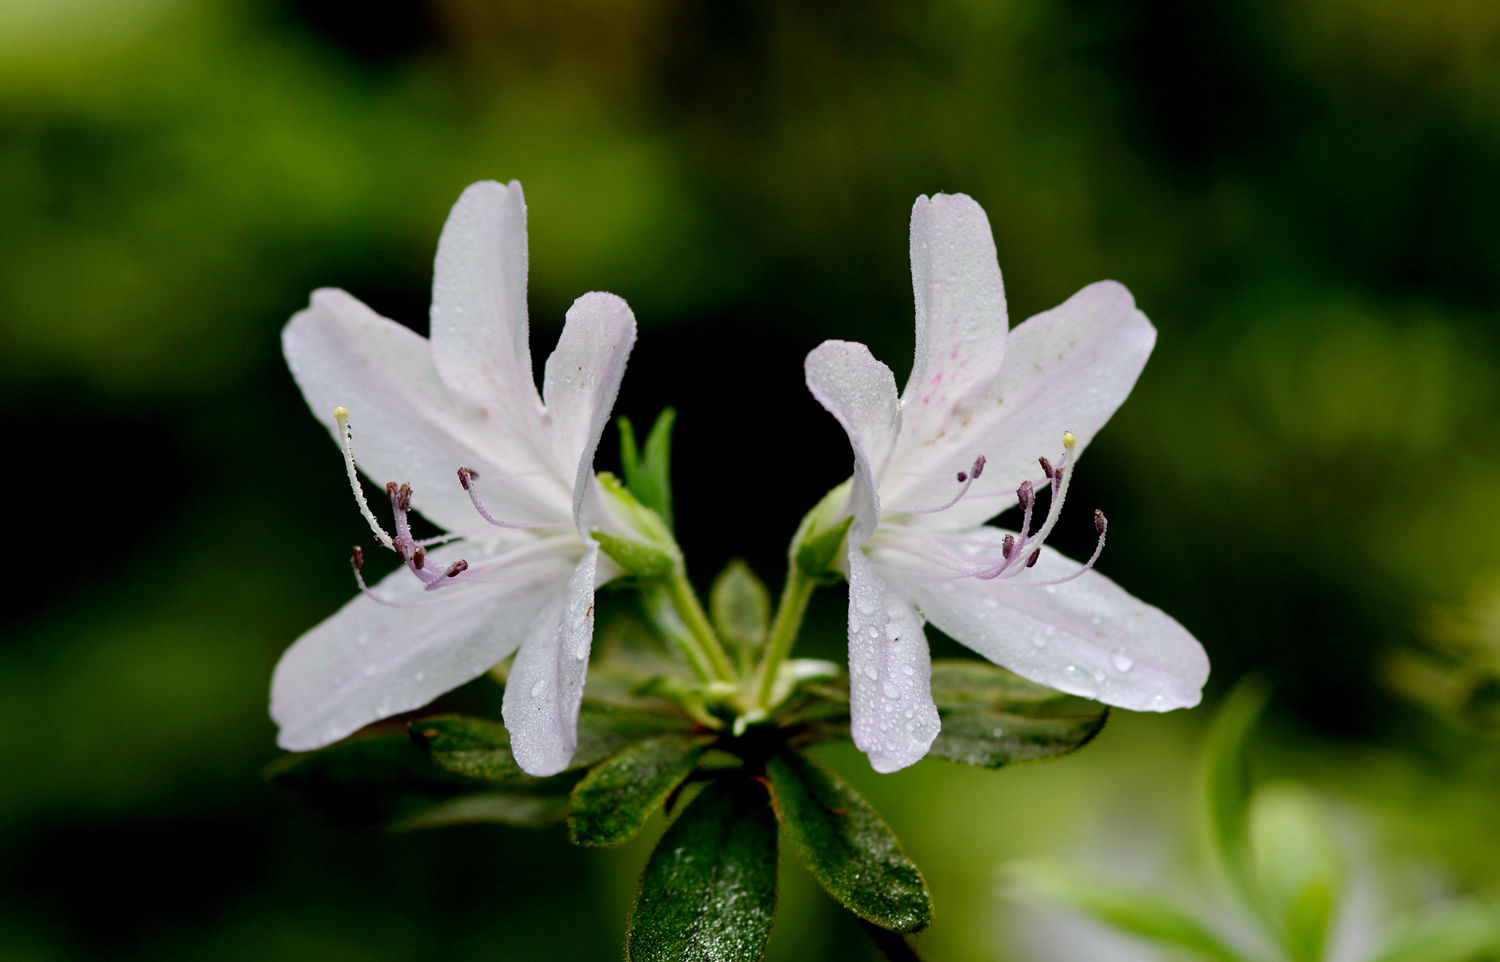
{"points": [[1069, 439], [340, 413]]}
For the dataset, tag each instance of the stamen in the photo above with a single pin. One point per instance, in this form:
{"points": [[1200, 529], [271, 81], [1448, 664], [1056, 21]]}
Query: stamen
{"points": [[1008, 546], [419, 557], [358, 557], [1035, 554], [1101, 525], [466, 479], [346, 444], [1046, 466], [965, 478], [357, 560]]}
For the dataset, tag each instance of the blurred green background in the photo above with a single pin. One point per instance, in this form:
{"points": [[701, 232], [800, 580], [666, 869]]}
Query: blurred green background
{"points": [[1302, 196]]}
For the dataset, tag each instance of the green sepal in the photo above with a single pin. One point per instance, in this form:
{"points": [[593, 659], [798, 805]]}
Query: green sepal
{"points": [[615, 798], [648, 469], [709, 889], [816, 555], [846, 846], [368, 781], [641, 559], [994, 739], [740, 607], [480, 747], [1148, 916]]}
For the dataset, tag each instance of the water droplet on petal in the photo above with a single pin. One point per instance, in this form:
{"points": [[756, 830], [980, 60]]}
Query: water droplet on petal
{"points": [[1122, 661], [1039, 641], [536, 689], [871, 672]]}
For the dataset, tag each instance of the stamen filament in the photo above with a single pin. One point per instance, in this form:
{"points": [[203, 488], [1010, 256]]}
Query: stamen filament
{"points": [[346, 445]]}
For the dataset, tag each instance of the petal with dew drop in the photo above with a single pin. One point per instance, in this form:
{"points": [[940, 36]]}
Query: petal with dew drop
{"points": [[1067, 369], [545, 686], [960, 308], [1088, 637], [407, 425], [892, 717], [861, 393], [580, 383], [369, 660], [479, 325]]}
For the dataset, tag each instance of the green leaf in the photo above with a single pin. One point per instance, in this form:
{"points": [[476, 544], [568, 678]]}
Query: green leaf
{"points": [[967, 683], [1299, 870], [848, 848], [992, 739], [709, 890], [616, 797], [815, 556], [480, 747], [648, 470], [1467, 932], [518, 808], [1148, 916], [366, 781], [1226, 783], [740, 608]]}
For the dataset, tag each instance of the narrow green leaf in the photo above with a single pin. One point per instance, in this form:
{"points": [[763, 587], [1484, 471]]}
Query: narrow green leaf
{"points": [[366, 781], [480, 747], [992, 739], [517, 808], [616, 797], [709, 890], [1149, 916], [1467, 932], [848, 848], [1298, 869], [648, 468], [740, 608], [815, 555], [1226, 783]]}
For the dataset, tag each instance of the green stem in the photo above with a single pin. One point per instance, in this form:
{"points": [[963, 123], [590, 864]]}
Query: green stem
{"points": [[789, 612], [685, 601]]}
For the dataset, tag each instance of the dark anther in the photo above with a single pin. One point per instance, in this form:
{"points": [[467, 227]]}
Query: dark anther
{"points": [[465, 475], [1099, 522], [962, 477], [358, 557], [1008, 546], [1023, 494], [978, 468], [456, 568], [1046, 467], [419, 558], [1031, 561], [404, 494]]}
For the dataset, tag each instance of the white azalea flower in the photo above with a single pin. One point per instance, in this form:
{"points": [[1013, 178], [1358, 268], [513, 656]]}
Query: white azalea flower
{"points": [[961, 444], [458, 417]]}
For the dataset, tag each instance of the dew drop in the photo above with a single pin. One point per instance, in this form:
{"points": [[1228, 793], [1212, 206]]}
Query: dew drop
{"points": [[1039, 641], [1122, 661], [1050, 589], [536, 689], [872, 673], [864, 606]]}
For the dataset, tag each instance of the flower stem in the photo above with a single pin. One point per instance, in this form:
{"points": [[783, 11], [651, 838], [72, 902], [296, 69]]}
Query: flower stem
{"points": [[789, 612], [707, 651]]}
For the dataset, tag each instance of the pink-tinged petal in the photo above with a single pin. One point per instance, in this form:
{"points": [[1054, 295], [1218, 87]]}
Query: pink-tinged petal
{"points": [[407, 426], [861, 393], [479, 327], [580, 383], [1067, 369], [1088, 637], [892, 717], [961, 321], [545, 686], [370, 660]]}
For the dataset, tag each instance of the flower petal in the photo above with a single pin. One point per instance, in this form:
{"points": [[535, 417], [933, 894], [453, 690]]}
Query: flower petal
{"points": [[406, 424], [545, 686], [479, 327], [580, 383], [1088, 637], [961, 322], [370, 661], [1067, 369], [891, 713], [861, 393]]}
